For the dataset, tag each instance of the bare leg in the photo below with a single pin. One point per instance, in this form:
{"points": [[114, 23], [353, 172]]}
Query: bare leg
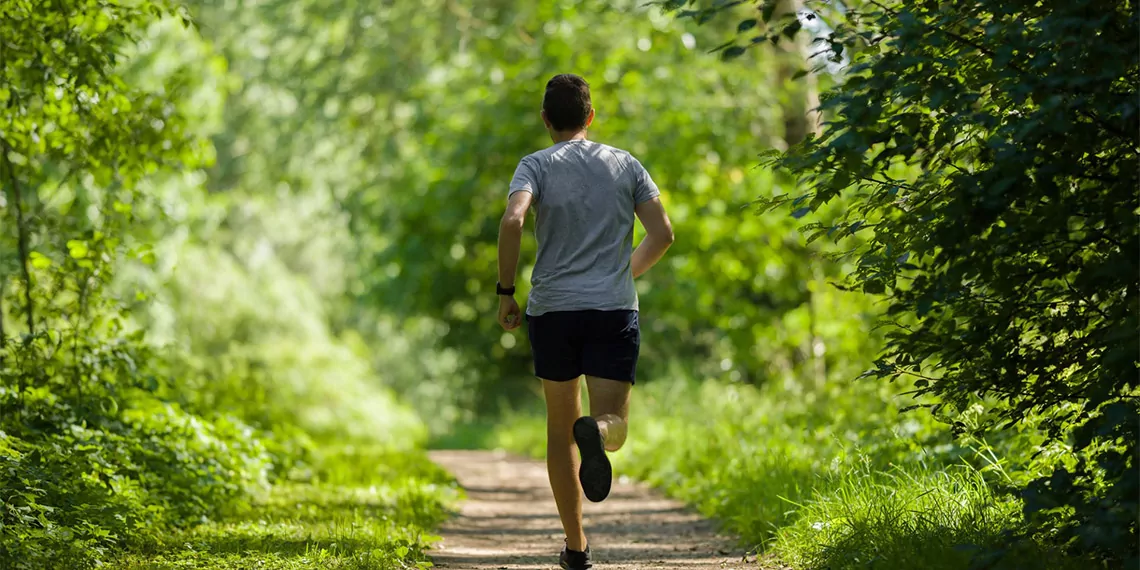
{"points": [[609, 406], [563, 406]]}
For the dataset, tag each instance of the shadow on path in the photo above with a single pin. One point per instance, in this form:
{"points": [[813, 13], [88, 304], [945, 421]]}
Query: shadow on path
{"points": [[509, 522]]}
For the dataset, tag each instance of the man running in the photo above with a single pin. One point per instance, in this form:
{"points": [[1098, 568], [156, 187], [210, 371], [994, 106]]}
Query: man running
{"points": [[582, 314]]}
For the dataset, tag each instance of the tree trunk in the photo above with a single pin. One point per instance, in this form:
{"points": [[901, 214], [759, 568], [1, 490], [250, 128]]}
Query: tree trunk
{"points": [[3, 333], [801, 118], [22, 236], [800, 115]]}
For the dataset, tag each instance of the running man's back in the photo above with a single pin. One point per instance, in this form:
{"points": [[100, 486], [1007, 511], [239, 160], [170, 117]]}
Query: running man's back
{"points": [[584, 199], [583, 317]]}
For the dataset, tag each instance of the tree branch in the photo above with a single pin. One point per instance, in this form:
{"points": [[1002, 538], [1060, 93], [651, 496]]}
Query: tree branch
{"points": [[3, 334]]}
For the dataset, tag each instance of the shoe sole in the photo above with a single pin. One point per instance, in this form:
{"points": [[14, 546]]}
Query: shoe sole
{"points": [[595, 474]]}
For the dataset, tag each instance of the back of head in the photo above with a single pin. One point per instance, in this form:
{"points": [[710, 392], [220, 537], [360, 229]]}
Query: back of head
{"points": [[567, 102]]}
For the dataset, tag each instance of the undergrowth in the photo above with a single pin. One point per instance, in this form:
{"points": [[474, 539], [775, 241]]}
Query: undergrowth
{"points": [[359, 509]]}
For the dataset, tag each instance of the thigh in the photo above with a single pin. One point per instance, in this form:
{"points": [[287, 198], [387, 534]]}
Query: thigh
{"points": [[563, 407], [555, 346], [612, 342]]}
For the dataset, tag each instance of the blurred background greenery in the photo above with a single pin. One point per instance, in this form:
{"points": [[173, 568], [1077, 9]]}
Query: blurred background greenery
{"points": [[255, 250]]}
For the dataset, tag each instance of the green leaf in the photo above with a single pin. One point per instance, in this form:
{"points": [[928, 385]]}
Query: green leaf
{"points": [[768, 10], [875, 287], [39, 260], [733, 52], [78, 249], [924, 305], [789, 31]]}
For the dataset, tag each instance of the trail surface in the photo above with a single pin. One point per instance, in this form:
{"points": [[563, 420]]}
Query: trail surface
{"points": [[509, 522]]}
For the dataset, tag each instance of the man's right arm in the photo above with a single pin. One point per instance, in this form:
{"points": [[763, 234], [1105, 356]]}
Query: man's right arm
{"points": [[658, 235]]}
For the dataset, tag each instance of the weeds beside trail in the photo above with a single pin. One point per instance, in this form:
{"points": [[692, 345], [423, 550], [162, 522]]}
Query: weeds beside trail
{"points": [[372, 510]]}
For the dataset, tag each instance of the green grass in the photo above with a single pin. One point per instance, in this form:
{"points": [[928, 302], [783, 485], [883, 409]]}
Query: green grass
{"points": [[358, 509], [911, 518], [837, 480]]}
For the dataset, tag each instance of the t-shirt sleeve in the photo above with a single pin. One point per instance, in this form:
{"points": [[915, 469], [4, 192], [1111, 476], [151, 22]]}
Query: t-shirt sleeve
{"points": [[525, 178], [644, 189]]}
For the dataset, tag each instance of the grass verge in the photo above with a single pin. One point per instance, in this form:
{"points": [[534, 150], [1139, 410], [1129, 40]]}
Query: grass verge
{"points": [[355, 509]]}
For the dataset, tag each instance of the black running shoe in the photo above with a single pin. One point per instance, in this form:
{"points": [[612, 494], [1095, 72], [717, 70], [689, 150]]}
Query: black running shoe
{"points": [[575, 560], [595, 474]]}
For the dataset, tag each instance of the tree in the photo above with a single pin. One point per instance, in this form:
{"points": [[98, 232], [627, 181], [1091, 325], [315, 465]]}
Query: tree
{"points": [[76, 141], [989, 153], [397, 129]]}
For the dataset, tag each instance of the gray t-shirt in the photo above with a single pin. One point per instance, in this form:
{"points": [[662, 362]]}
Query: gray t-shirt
{"points": [[584, 196]]}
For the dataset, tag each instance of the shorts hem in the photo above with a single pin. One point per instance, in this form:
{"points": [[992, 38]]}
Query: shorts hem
{"points": [[610, 377], [556, 378]]}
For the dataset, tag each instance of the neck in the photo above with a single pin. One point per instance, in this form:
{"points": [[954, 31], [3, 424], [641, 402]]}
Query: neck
{"points": [[563, 136]]}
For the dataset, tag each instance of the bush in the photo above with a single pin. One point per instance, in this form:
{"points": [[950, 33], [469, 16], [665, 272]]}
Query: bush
{"points": [[91, 462], [979, 163], [989, 155]]}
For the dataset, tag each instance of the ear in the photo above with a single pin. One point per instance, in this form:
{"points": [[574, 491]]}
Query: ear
{"points": [[590, 117], [546, 121]]}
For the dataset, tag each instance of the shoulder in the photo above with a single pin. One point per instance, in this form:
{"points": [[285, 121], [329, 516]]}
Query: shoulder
{"points": [[538, 157], [622, 159], [615, 152], [533, 166], [612, 155]]}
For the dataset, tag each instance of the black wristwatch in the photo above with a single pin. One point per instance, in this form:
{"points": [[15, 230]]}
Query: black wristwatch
{"points": [[500, 290]]}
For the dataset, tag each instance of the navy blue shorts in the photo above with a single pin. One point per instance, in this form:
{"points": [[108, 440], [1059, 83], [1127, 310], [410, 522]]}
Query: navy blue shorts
{"points": [[568, 344]]}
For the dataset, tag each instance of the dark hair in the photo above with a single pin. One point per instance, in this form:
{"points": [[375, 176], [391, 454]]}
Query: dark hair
{"points": [[567, 102]]}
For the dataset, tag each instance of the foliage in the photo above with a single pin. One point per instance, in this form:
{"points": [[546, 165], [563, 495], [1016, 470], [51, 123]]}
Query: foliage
{"points": [[90, 461], [988, 153], [268, 357], [388, 136], [89, 456], [110, 436], [296, 203]]}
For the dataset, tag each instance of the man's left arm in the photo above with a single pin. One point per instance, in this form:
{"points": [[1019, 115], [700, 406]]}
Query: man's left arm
{"points": [[510, 243]]}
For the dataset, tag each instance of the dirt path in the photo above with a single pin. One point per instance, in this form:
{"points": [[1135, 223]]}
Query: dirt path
{"points": [[509, 522]]}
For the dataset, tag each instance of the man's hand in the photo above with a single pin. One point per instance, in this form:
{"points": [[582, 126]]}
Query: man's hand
{"points": [[510, 316]]}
